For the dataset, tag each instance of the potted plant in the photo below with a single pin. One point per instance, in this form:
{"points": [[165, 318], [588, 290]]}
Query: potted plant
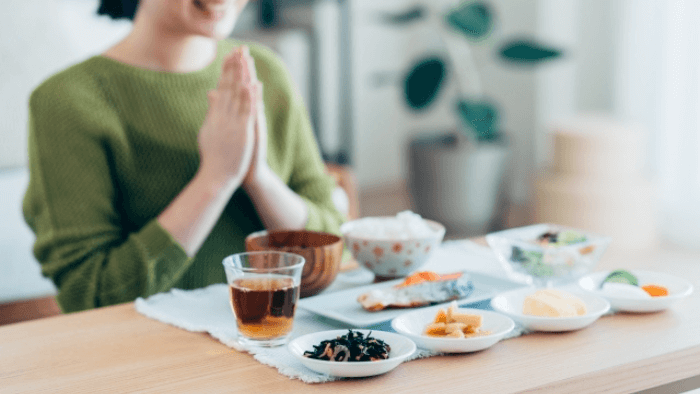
{"points": [[456, 178]]}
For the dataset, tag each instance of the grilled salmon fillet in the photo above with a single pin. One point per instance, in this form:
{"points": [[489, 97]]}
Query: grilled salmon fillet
{"points": [[420, 289]]}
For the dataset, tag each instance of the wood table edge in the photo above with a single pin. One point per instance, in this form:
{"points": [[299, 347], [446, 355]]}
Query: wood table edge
{"points": [[632, 377]]}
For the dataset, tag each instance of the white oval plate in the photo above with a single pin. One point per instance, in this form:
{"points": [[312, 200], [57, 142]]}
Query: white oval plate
{"points": [[401, 348], [511, 304], [413, 323], [678, 288]]}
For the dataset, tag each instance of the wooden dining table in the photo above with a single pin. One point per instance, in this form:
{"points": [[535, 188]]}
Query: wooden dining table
{"points": [[116, 349]]}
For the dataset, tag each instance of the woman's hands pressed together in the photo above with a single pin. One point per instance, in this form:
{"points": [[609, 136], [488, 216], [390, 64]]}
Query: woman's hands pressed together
{"points": [[227, 138], [258, 165], [278, 206], [233, 153], [226, 145]]}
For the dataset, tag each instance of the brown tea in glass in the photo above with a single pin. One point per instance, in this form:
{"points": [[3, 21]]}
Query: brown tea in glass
{"points": [[263, 292], [264, 307]]}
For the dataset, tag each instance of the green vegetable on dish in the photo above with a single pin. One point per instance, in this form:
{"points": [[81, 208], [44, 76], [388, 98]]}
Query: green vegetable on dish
{"points": [[621, 276]]}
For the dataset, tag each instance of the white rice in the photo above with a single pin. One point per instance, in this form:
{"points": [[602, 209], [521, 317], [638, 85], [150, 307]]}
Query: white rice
{"points": [[406, 225]]}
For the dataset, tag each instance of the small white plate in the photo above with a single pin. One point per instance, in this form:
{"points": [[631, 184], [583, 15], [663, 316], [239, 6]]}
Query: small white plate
{"points": [[678, 288], [511, 304], [413, 323], [401, 348]]}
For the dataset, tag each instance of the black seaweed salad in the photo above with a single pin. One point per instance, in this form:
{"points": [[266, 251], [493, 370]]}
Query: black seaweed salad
{"points": [[353, 346]]}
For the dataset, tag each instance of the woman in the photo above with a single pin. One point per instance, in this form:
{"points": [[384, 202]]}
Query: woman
{"points": [[152, 162]]}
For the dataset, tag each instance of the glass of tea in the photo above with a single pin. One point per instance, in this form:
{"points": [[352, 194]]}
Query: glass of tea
{"points": [[264, 291]]}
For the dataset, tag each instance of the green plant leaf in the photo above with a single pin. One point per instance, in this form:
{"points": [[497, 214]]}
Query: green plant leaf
{"points": [[473, 19], [527, 52], [414, 14], [481, 117], [423, 82]]}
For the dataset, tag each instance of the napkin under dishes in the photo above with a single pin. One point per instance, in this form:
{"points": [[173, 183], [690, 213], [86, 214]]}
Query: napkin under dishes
{"points": [[208, 310]]}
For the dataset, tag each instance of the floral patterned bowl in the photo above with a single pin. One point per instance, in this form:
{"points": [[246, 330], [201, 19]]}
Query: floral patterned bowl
{"points": [[392, 258]]}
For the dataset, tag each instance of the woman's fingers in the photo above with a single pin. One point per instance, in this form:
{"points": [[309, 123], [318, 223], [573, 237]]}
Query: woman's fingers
{"points": [[242, 81], [245, 101], [240, 85], [231, 90], [257, 92], [245, 71], [247, 108], [230, 70], [226, 78], [228, 135], [250, 63], [237, 94]]}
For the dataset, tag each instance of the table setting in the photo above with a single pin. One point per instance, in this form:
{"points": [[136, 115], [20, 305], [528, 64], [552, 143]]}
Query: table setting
{"points": [[187, 341], [513, 287], [208, 309]]}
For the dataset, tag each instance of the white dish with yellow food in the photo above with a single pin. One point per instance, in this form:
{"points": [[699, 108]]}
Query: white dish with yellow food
{"points": [[476, 329], [551, 310]]}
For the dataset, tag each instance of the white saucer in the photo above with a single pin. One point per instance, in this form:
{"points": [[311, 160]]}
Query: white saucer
{"points": [[511, 304], [413, 323], [678, 288], [401, 348]]}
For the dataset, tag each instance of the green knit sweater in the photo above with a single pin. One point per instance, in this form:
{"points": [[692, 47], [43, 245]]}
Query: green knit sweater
{"points": [[111, 145]]}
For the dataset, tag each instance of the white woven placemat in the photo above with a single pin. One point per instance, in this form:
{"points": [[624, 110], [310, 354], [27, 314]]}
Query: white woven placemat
{"points": [[208, 309]]}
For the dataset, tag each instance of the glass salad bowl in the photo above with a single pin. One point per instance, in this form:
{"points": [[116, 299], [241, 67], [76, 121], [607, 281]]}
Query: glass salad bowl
{"points": [[545, 255]]}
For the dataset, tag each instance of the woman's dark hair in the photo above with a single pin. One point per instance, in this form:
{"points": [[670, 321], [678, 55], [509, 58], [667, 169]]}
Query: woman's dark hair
{"points": [[118, 9]]}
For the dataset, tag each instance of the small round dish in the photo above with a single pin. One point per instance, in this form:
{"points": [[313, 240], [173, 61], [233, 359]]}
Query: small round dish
{"points": [[511, 304], [412, 324], [401, 349], [678, 289]]}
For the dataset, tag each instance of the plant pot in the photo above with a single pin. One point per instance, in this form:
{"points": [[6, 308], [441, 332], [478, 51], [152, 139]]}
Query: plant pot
{"points": [[457, 183]]}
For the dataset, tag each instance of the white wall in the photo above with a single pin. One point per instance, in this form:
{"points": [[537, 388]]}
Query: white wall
{"points": [[587, 79], [637, 61], [659, 87], [37, 39]]}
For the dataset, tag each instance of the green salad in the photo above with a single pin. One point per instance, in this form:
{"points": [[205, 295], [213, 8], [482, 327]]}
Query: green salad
{"points": [[563, 238], [533, 261]]}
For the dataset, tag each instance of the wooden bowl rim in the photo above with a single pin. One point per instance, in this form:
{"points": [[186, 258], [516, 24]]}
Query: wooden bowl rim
{"points": [[265, 233]]}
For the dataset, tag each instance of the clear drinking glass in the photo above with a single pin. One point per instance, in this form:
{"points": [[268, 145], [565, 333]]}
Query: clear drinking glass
{"points": [[264, 291]]}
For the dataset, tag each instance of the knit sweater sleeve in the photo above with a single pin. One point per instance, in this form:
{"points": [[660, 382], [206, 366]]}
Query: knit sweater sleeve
{"points": [[309, 179], [292, 126], [72, 205]]}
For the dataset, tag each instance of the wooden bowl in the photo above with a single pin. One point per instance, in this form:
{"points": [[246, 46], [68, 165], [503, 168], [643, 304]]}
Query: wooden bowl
{"points": [[322, 252]]}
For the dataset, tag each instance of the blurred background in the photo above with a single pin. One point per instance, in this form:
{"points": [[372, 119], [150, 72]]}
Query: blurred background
{"points": [[482, 115]]}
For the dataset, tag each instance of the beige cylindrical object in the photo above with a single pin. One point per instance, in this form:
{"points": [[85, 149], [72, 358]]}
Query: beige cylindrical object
{"points": [[596, 183], [621, 210], [593, 147]]}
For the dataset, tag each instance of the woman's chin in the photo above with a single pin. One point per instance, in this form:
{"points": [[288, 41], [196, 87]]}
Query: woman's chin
{"points": [[217, 31], [208, 32]]}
